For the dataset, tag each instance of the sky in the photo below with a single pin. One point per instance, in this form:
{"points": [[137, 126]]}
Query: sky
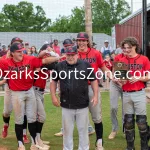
{"points": [[54, 8]]}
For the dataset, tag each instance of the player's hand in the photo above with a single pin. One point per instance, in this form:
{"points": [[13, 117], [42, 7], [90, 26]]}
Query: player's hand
{"points": [[133, 79], [94, 100], [8, 54], [59, 93], [55, 101]]}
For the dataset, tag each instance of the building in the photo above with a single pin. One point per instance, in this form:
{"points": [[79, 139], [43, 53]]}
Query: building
{"points": [[132, 26]]}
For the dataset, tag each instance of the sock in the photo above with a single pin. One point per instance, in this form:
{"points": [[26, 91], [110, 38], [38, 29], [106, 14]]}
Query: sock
{"points": [[32, 141], [99, 141], [25, 124], [32, 130], [38, 136], [99, 130], [20, 143], [6, 120], [24, 131], [19, 132]]}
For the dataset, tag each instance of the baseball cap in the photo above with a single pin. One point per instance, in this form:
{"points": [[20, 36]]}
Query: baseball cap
{"points": [[106, 41], [16, 39], [71, 50], [16, 47], [82, 36], [3, 46], [67, 42]]}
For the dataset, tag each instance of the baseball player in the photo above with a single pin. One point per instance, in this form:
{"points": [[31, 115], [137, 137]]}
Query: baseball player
{"points": [[8, 104], [115, 93], [39, 87], [74, 97], [68, 43], [93, 56], [134, 98], [22, 93]]}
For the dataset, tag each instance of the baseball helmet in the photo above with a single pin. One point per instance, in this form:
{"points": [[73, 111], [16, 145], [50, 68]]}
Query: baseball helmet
{"points": [[82, 36], [71, 50], [16, 39], [67, 42]]}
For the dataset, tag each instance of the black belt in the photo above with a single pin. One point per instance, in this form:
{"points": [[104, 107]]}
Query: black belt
{"points": [[39, 89], [133, 91]]}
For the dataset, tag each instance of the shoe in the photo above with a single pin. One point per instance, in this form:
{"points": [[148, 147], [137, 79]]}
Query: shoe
{"points": [[91, 130], [21, 147], [46, 142], [25, 139], [41, 146], [5, 131], [33, 147], [99, 146], [112, 135], [59, 133]]}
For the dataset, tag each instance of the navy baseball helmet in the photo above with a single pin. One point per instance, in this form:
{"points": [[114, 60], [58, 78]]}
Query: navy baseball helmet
{"points": [[67, 42], [16, 39], [82, 36]]}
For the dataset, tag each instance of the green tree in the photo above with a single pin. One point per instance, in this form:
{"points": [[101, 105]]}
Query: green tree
{"points": [[25, 18], [73, 23], [108, 13], [105, 14]]}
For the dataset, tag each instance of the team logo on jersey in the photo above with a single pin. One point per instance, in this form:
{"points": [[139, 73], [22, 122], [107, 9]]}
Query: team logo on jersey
{"points": [[90, 60], [20, 68]]}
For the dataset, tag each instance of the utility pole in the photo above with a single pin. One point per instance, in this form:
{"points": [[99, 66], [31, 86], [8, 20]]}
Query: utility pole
{"points": [[88, 19], [144, 12], [131, 6]]}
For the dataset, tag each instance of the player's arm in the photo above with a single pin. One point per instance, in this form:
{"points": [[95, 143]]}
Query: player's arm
{"points": [[50, 60], [144, 78], [44, 52], [94, 85], [53, 87], [107, 72], [2, 82]]}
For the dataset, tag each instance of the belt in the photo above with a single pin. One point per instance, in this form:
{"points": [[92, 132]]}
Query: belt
{"points": [[133, 91], [39, 89]]}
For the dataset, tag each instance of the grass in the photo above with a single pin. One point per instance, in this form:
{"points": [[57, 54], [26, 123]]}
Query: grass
{"points": [[53, 125]]}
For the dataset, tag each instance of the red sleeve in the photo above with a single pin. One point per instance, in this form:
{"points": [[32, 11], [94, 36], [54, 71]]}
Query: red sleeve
{"points": [[146, 64], [36, 62], [100, 60]]}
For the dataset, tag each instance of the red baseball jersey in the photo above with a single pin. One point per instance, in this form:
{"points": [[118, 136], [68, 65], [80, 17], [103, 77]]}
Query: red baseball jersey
{"points": [[118, 57], [57, 49], [137, 66], [41, 81], [93, 57], [21, 74]]}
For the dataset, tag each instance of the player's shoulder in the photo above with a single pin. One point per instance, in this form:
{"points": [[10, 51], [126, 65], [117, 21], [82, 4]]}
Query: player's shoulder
{"points": [[143, 57], [95, 52]]}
